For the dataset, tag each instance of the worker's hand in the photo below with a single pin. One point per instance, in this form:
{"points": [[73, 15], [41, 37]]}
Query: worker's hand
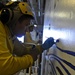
{"points": [[48, 43], [34, 53]]}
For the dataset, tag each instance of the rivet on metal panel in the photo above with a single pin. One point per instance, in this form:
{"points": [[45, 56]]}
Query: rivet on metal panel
{"points": [[49, 26], [56, 40]]}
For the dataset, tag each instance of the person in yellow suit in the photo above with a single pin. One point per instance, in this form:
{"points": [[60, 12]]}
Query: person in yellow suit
{"points": [[15, 17]]}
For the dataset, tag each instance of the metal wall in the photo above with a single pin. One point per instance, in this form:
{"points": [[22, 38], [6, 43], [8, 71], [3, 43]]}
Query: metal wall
{"points": [[59, 23]]}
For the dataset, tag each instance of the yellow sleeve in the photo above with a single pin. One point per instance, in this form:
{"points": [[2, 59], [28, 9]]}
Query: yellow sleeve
{"points": [[10, 64]]}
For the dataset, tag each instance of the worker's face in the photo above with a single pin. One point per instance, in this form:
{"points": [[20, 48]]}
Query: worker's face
{"points": [[20, 28], [31, 28]]}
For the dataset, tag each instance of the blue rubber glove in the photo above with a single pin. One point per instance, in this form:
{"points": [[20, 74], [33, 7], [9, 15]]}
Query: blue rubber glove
{"points": [[48, 43]]}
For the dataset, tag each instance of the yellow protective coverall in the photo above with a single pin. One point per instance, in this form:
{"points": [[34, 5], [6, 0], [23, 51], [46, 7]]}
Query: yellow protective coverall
{"points": [[10, 64]]}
